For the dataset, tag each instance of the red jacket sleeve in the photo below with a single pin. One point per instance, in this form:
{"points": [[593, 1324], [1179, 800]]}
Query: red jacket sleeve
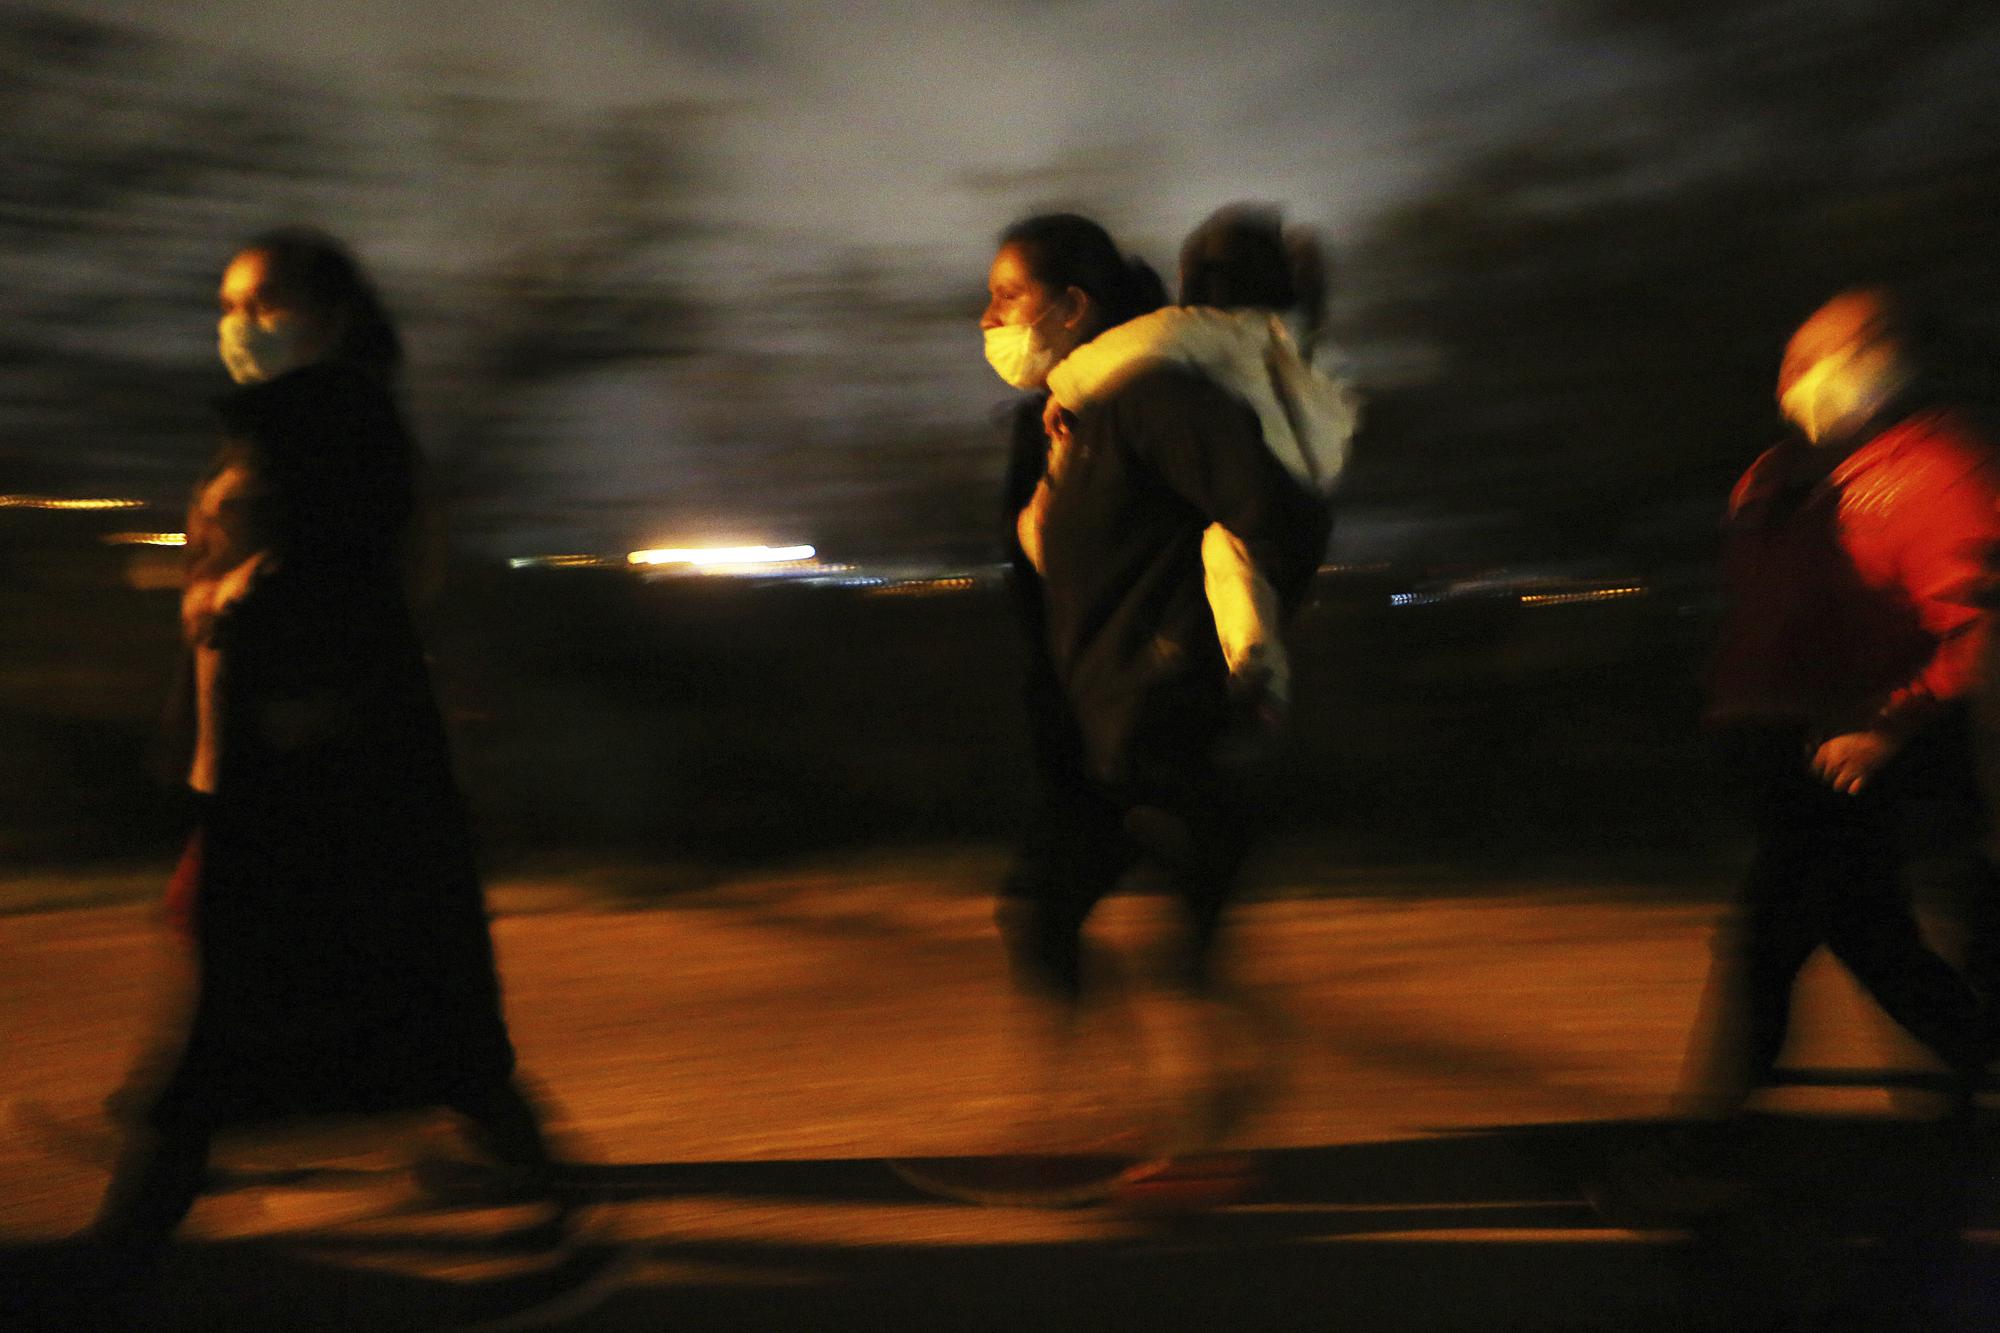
{"points": [[1947, 536]]}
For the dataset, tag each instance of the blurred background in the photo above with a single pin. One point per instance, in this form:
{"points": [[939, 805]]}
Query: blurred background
{"points": [[704, 276]]}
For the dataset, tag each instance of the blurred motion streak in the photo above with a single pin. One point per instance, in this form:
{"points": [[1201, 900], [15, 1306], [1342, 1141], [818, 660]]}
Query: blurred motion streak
{"points": [[1567, 598], [926, 587], [53, 502], [724, 557], [145, 539], [558, 562]]}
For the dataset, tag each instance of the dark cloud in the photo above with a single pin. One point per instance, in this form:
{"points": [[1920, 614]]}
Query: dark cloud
{"points": [[723, 34], [923, 124]]}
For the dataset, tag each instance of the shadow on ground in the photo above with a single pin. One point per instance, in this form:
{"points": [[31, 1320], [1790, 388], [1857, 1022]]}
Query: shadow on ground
{"points": [[1842, 1224]]}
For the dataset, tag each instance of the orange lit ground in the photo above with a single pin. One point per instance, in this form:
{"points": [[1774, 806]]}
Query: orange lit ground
{"points": [[741, 1060]]}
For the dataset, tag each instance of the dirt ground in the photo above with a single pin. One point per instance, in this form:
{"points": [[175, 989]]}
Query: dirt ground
{"points": [[1447, 1074]]}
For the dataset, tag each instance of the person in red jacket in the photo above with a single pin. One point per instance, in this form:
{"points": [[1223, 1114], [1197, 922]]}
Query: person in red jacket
{"points": [[1854, 557]]}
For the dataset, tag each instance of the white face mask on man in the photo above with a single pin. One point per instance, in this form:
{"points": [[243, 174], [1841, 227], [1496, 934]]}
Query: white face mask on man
{"points": [[1841, 391], [252, 353], [1020, 355]]}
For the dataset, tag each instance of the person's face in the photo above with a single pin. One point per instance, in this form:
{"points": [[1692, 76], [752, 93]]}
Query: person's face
{"points": [[1016, 296], [249, 292], [1840, 366]]}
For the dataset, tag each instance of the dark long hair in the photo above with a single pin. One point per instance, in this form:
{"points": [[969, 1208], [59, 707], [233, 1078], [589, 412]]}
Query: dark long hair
{"points": [[319, 273], [1068, 250]]}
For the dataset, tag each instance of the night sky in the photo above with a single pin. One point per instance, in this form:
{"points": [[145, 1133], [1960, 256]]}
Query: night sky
{"points": [[802, 359], [852, 163], [927, 124]]}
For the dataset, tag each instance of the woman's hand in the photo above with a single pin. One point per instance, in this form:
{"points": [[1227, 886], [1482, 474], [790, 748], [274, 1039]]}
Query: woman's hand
{"points": [[231, 587], [1055, 422], [1847, 762]]}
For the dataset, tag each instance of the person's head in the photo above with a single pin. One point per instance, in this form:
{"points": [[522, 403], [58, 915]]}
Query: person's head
{"points": [[1240, 258], [295, 296], [1057, 281], [1844, 364]]}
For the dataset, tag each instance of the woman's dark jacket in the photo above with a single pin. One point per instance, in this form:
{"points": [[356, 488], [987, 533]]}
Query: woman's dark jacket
{"points": [[1130, 635], [1055, 742], [345, 961]]}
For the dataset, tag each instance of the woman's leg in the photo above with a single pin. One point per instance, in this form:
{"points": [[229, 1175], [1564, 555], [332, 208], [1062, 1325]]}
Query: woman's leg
{"points": [[156, 1181], [506, 1126], [1073, 855], [1195, 824]]}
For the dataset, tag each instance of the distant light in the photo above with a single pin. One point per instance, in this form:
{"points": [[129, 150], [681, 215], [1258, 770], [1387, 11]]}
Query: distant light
{"points": [[146, 539], [922, 587], [1570, 598], [57, 502], [557, 562], [723, 555]]}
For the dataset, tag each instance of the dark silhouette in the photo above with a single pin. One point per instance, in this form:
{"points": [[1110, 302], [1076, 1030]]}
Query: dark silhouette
{"points": [[343, 958]]}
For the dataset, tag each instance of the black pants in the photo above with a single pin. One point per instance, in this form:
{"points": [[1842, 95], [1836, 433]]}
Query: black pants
{"points": [[1186, 818], [162, 1171], [1829, 870], [1979, 885]]}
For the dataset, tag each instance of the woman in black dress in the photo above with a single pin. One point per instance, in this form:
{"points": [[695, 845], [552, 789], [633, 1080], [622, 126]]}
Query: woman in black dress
{"points": [[343, 959]]}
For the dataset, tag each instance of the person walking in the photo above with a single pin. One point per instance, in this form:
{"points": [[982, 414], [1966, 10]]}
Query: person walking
{"points": [[1854, 555], [342, 954], [1115, 528]]}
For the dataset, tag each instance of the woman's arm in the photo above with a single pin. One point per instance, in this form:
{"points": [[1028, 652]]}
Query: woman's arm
{"points": [[224, 551]]}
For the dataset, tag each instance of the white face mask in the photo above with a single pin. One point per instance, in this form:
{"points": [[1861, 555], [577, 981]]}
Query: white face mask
{"points": [[252, 353], [1841, 391], [1018, 354]]}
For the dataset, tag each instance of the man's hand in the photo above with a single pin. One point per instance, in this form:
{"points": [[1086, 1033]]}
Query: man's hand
{"points": [[1848, 761]]}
